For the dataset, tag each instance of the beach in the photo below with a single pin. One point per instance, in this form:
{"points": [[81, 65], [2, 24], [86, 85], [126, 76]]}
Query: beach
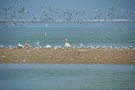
{"points": [[68, 56]]}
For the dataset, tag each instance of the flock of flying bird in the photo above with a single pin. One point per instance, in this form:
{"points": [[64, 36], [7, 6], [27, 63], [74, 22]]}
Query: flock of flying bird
{"points": [[11, 15]]}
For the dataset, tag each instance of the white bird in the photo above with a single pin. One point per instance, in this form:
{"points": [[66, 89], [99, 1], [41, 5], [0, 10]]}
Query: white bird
{"points": [[81, 45], [37, 43], [48, 46], [10, 47], [20, 45], [55, 47], [45, 34], [1, 46], [67, 45]]}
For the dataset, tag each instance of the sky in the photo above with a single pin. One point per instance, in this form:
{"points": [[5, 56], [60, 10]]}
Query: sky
{"points": [[76, 4], [85, 4]]}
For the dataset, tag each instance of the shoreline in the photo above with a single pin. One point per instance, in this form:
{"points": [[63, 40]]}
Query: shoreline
{"points": [[68, 56]]}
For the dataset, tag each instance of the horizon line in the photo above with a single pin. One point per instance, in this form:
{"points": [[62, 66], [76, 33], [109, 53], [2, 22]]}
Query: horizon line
{"points": [[67, 21]]}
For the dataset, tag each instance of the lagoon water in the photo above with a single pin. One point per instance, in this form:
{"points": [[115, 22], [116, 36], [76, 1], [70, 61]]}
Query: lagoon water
{"points": [[104, 34], [66, 77]]}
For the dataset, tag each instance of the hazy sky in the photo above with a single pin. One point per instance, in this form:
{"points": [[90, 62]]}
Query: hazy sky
{"points": [[85, 4]]}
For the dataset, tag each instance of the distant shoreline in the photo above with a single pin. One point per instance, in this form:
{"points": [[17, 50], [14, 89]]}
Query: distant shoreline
{"points": [[68, 56]]}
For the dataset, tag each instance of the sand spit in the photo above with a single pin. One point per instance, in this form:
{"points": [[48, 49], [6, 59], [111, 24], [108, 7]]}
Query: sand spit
{"points": [[68, 56]]}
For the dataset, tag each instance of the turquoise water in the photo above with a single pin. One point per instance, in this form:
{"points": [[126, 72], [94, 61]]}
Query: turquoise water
{"points": [[103, 34], [66, 77]]}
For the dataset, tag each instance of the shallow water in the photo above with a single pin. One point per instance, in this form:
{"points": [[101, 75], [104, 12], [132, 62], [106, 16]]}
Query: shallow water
{"points": [[66, 77], [103, 34]]}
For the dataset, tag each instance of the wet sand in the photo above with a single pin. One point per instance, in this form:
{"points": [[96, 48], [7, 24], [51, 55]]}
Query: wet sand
{"points": [[68, 56]]}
